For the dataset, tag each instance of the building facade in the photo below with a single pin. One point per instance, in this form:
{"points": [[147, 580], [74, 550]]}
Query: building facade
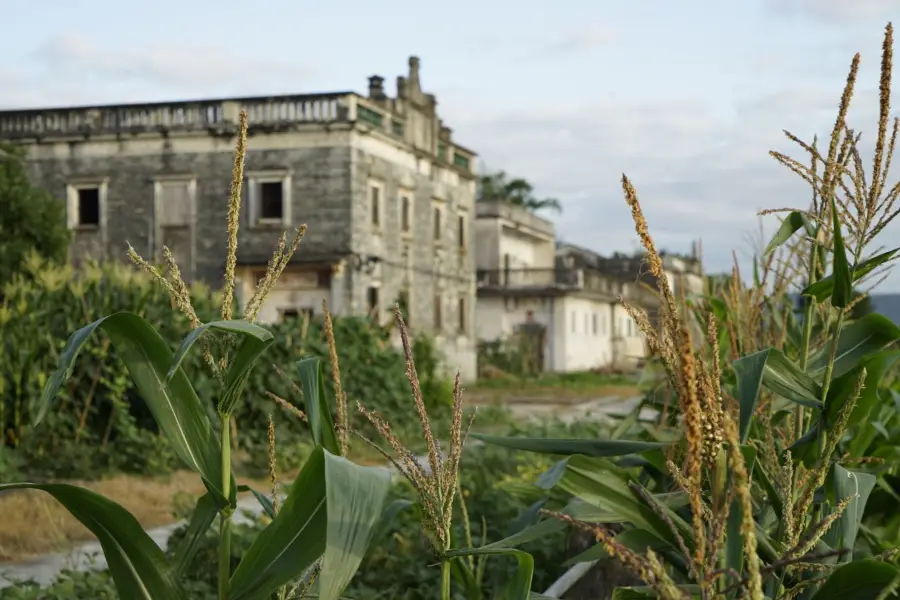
{"points": [[569, 316], [386, 192]]}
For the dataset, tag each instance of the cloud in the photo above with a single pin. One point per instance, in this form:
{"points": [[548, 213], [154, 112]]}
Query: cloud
{"points": [[834, 11], [699, 172], [578, 41], [69, 66]]}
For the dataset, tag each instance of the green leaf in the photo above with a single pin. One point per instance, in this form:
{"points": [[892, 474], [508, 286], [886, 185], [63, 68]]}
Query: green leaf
{"points": [[823, 288], [859, 339], [859, 580], [647, 593], [519, 587], [639, 540], [734, 539], [849, 484], [842, 290], [842, 387], [598, 448], [174, 404], [578, 509], [264, 501], [137, 565], [256, 340], [201, 520], [772, 369], [601, 483], [529, 534], [331, 512], [794, 221], [388, 515], [317, 410]]}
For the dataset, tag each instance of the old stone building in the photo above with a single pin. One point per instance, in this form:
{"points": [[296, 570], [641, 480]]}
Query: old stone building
{"points": [[387, 193]]}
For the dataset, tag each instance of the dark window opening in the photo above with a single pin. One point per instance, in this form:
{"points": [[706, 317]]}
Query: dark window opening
{"points": [[271, 200], [89, 206], [438, 226], [375, 195], [438, 316], [405, 219], [324, 278], [461, 231], [297, 314], [462, 315], [373, 302]]}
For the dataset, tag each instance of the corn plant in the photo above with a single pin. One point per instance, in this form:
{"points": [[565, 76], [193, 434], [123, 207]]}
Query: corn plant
{"points": [[757, 485], [323, 527]]}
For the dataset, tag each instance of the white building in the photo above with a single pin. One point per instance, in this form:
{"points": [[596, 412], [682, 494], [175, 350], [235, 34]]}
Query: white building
{"points": [[573, 314]]}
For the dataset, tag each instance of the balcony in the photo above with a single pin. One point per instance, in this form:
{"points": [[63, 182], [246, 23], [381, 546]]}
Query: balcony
{"points": [[539, 279]]}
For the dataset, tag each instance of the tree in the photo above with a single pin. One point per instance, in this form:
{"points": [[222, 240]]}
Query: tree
{"points": [[30, 218], [518, 192]]}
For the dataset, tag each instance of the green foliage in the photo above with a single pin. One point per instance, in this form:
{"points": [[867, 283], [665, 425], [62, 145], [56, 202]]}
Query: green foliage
{"points": [[100, 426], [32, 222], [100, 410], [517, 192]]}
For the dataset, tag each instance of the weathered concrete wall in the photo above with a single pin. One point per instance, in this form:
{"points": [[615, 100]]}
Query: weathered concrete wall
{"points": [[431, 270], [320, 196], [330, 179]]}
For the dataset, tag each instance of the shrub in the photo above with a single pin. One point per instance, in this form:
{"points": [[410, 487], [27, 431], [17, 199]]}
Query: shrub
{"points": [[34, 221], [100, 426]]}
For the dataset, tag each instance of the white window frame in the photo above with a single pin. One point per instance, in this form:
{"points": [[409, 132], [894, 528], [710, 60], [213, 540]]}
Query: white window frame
{"points": [[158, 184], [72, 189], [377, 185], [257, 178]]}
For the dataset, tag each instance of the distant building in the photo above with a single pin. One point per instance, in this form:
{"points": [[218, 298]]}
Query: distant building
{"points": [[570, 312], [387, 193]]}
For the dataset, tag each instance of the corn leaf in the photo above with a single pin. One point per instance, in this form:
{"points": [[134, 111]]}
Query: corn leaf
{"points": [[842, 289], [201, 520], [868, 335], [255, 341], [793, 222], [855, 485], [598, 448], [137, 565], [519, 587], [823, 288], [606, 486], [772, 369], [331, 512], [174, 403], [860, 580], [317, 410], [647, 593]]}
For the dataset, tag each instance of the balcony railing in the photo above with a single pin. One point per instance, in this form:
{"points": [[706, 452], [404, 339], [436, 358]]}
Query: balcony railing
{"points": [[175, 116], [564, 278]]}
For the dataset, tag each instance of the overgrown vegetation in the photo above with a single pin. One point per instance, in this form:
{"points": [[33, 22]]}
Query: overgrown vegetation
{"points": [[103, 427], [33, 221], [756, 480]]}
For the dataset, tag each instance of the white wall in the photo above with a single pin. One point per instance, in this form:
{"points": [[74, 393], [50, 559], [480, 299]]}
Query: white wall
{"points": [[582, 333]]}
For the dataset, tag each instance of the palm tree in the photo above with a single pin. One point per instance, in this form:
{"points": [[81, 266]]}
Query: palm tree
{"points": [[518, 192]]}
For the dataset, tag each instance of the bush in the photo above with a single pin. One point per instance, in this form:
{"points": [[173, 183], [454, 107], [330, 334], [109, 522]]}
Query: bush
{"points": [[100, 428], [34, 221]]}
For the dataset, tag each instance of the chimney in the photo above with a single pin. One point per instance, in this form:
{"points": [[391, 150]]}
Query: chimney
{"points": [[376, 87]]}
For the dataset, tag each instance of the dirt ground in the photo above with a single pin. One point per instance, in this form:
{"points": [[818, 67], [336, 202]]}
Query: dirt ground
{"points": [[32, 523]]}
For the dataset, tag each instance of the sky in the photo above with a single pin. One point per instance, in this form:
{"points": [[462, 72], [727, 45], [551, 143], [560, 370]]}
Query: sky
{"points": [[685, 98]]}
